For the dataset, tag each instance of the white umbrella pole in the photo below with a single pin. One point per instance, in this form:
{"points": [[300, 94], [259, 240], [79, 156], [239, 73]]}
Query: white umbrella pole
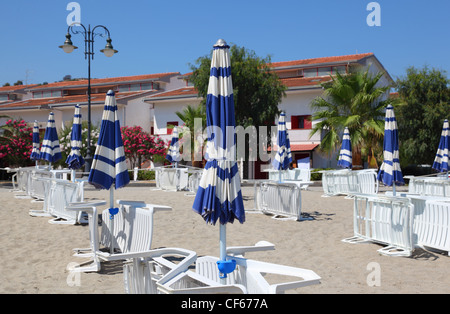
{"points": [[223, 248], [111, 221]]}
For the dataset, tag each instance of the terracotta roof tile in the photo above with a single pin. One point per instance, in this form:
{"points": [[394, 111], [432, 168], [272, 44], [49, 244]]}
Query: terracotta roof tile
{"points": [[66, 100], [184, 91], [104, 81], [323, 60], [6, 89]]}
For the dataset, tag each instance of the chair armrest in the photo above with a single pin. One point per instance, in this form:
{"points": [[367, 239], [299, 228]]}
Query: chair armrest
{"points": [[82, 206], [241, 250], [142, 204]]}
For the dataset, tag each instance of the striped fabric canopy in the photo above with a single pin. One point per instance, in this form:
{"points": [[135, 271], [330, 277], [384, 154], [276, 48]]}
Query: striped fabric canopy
{"points": [[50, 149], [35, 152], [219, 194], [108, 164], [390, 172], [75, 160], [345, 154], [173, 155], [283, 156], [441, 161]]}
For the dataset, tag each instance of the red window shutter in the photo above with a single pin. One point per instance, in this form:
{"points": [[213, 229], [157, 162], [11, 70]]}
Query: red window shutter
{"points": [[294, 122], [308, 122], [169, 130]]}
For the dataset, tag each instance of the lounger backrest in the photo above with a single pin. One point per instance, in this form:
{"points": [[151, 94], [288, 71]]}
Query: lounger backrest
{"points": [[132, 229], [386, 220], [61, 194], [432, 222], [279, 199]]}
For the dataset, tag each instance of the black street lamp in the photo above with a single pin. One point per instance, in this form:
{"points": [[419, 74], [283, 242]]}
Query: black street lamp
{"points": [[109, 51]]}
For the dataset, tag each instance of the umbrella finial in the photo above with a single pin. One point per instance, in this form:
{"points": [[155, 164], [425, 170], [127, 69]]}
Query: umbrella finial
{"points": [[220, 43], [110, 93]]}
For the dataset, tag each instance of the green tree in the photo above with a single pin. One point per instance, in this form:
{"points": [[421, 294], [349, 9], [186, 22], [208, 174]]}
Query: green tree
{"points": [[424, 103], [64, 137], [188, 116], [257, 90], [357, 102]]}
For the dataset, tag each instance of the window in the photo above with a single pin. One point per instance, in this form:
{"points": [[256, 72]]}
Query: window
{"points": [[138, 87], [310, 72], [324, 71], [301, 122], [47, 94], [4, 97], [340, 69], [170, 126]]}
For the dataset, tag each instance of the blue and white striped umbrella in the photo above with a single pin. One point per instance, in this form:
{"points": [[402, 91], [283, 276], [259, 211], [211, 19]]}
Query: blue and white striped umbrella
{"points": [[390, 172], [75, 160], [345, 154], [173, 155], [108, 164], [441, 161], [35, 152], [219, 194], [283, 156], [50, 149]]}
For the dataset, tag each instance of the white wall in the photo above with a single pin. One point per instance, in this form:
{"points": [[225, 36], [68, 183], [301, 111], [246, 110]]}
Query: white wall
{"points": [[165, 111]]}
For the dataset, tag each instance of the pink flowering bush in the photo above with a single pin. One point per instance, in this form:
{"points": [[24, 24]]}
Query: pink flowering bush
{"points": [[141, 146], [16, 143]]}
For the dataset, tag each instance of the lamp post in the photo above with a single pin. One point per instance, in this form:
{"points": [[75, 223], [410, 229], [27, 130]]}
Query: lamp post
{"points": [[109, 51]]}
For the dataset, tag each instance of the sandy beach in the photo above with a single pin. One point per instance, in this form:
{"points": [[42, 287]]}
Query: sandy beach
{"points": [[35, 253]]}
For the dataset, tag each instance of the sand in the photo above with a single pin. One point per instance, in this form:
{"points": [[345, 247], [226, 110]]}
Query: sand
{"points": [[35, 253]]}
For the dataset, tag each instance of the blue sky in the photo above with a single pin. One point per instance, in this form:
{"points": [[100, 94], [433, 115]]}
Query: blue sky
{"points": [[166, 36]]}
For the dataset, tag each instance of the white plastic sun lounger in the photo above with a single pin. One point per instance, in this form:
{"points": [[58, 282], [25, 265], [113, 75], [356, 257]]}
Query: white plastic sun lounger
{"points": [[282, 200], [302, 176], [157, 272], [347, 182], [431, 186], [386, 220], [431, 228], [248, 277], [131, 232], [57, 195], [61, 194], [171, 179]]}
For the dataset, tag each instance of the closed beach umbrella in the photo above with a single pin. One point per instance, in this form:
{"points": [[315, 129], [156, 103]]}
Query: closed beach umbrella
{"points": [[345, 154], [173, 155], [219, 195], [75, 160], [50, 149], [35, 152], [283, 156], [390, 172], [108, 164], [441, 161]]}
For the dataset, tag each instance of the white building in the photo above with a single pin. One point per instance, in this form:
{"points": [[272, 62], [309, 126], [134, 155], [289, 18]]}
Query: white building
{"points": [[151, 101]]}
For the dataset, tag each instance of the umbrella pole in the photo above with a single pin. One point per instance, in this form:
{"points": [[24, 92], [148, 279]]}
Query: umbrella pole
{"points": [[111, 220], [393, 188], [223, 248]]}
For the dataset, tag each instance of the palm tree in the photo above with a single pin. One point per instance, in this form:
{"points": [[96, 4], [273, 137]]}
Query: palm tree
{"points": [[188, 116], [354, 101]]}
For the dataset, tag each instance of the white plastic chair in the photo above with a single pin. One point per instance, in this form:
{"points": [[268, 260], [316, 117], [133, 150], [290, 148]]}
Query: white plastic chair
{"points": [[131, 232]]}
